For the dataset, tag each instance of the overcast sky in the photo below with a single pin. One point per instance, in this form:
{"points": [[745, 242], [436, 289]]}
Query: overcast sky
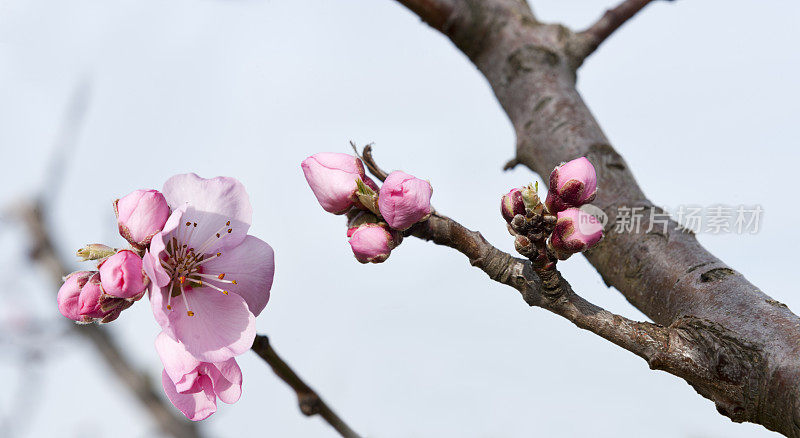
{"points": [[700, 97]]}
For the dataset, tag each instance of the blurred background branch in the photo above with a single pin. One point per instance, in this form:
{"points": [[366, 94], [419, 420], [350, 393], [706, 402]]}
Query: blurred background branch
{"points": [[44, 251]]}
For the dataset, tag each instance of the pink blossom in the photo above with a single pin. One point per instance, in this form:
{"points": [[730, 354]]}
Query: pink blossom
{"points": [[209, 278], [373, 243], [122, 275], [193, 386], [140, 215], [69, 294], [332, 177], [571, 185], [404, 200], [512, 204], [575, 231]]}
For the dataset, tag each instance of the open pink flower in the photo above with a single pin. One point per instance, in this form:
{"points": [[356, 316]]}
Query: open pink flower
{"points": [[194, 386], [209, 278]]}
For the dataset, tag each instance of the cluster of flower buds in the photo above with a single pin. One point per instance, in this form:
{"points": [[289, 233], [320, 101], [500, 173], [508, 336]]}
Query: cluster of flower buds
{"points": [[376, 216], [556, 228], [120, 280]]}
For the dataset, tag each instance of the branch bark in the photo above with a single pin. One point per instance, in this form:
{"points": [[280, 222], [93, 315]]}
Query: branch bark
{"points": [[752, 340], [310, 403], [139, 384]]}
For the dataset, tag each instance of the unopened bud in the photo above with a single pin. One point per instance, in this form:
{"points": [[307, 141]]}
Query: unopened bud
{"points": [[404, 200], [575, 231], [572, 184], [373, 243], [122, 275], [69, 294], [140, 215], [512, 204], [333, 179], [90, 301], [95, 251]]}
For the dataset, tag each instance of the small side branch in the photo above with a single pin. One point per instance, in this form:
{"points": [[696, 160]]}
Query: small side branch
{"points": [[612, 20], [434, 12], [310, 403]]}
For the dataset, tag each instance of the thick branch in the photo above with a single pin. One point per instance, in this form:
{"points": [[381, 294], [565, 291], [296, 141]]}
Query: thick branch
{"points": [[612, 20], [137, 382], [666, 274], [310, 403]]}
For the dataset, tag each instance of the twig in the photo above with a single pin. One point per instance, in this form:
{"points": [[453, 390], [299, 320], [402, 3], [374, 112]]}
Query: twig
{"points": [[435, 12], [366, 157], [45, 253], [310, 403], [612, 20]]}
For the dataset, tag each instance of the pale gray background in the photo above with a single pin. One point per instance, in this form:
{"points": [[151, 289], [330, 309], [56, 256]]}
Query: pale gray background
{"points": [[701, 97]]}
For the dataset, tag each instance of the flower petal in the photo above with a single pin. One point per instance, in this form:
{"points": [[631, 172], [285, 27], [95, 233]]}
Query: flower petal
{"points": [[176, 360], [214, 201], [197, 406], [227, 379], [222, 326], [213, 230], [252, 265]]}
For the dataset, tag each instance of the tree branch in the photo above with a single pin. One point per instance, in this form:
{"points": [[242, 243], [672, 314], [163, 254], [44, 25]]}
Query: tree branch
{"points": [[612, 20], [310, 403], [434, 12], [44, 252], [682, 349], [668, 275]]}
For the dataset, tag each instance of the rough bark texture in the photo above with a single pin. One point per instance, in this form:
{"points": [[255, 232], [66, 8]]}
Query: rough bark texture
{"points": [[749, 342]]}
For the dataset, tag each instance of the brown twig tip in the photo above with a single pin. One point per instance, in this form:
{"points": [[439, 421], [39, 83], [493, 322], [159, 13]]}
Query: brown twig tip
{"points": [[512, 163], [308, 400], [612, 20], [369, 161]]}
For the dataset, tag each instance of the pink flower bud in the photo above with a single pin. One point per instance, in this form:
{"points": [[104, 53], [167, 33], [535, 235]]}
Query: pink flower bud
{"points": [[372, 243], [575, 231], [89, 302], [404, 200], [69, 294], [140, 215], [571, 185], [332, 177], [512, 204], [122, 275]]}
